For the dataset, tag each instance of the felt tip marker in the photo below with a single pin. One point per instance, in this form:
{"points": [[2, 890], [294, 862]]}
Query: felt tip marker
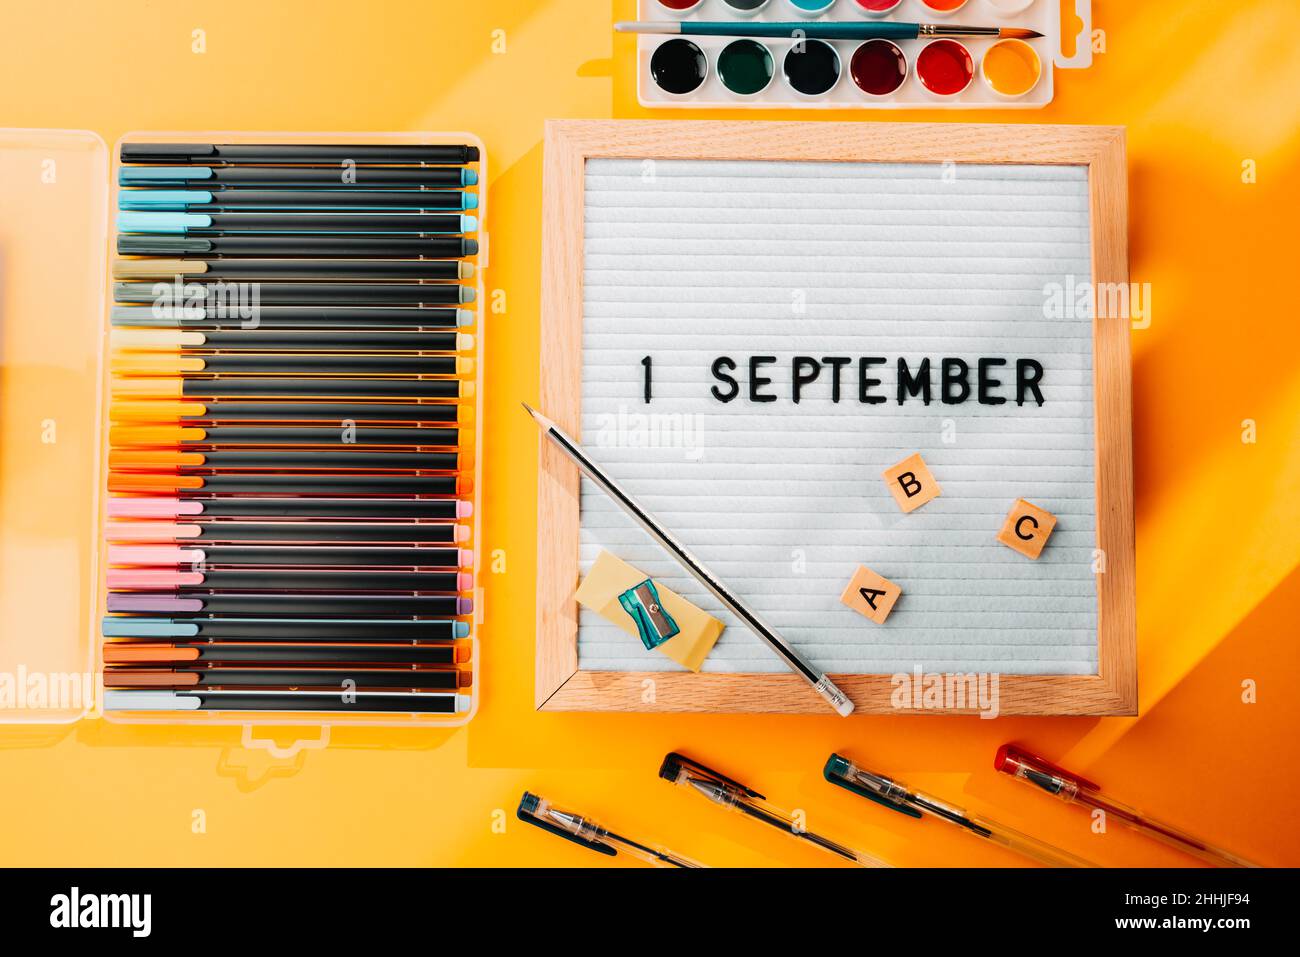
{"points": [[163, 507], [252, 198], [222, 224], [362, 177], [311, 629], [360, 702]]}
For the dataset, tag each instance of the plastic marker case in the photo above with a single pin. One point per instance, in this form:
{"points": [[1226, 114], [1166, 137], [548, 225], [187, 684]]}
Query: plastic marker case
{"points": [[58, 198], [911, 94]]}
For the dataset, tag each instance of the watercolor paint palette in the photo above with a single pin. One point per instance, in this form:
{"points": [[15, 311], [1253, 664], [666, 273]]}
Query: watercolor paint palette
{"points": [[721, 72]]}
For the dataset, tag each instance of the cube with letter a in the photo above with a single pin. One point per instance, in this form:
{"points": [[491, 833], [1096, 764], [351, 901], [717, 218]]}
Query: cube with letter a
{"points": [[1027, 528], [869, 594]]}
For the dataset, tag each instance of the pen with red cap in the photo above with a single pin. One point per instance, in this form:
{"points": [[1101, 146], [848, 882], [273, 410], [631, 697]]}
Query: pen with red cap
{"points": [[1076, 789]]}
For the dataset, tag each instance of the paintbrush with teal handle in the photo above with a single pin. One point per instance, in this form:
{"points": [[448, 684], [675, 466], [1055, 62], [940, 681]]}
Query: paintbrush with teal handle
{"points": [[821, 30]]}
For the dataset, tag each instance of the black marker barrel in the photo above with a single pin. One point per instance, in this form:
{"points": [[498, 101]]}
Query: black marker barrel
{"points": [[332, 340], [270, 677], [221, 315], [203, 247], [200, 270], [288, 364], [268, 386], [226, 435], [217, 410], [319, 532], [311, 629], [298, 293], [343, 180], [237, 198], [185, 462], [432, 509], [279, 483], [429, 702], [210, 154], [290, 653], [300, 222], [399, 556], [366, 605], [320, 579]]}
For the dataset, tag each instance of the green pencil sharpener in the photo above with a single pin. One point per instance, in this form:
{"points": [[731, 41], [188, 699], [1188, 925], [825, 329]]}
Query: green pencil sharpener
{"points": [[653, 623]]}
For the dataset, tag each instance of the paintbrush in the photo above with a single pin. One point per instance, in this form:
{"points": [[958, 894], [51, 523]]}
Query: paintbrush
{"points": [[826, 30]]}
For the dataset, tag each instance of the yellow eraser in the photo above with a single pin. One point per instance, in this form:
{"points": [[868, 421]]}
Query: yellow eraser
{"points": [[611, 576]]}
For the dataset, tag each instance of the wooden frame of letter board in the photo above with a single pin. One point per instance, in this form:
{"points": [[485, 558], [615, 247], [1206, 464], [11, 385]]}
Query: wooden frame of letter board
{"points": [[560, 685]]}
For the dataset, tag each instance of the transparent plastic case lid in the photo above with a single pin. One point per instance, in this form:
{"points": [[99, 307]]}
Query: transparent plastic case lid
{"points": [[53, 234]]}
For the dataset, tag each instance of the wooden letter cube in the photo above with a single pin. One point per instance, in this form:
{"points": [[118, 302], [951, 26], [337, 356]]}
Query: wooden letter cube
{"points": [[911, 483], [869, 594], [1027, 528]]}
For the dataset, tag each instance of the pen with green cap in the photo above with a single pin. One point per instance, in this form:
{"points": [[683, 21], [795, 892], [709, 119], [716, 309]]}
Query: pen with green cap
{"points": [[733, 795], [536, 810], [899, 797]]}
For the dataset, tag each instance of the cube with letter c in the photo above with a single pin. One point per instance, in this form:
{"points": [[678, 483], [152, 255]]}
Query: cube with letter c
{"points": [[1027, 528]]}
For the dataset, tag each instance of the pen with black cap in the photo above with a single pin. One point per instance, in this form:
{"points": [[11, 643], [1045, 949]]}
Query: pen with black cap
{"points": [[898, 797], [536, 810], [731, 794]]}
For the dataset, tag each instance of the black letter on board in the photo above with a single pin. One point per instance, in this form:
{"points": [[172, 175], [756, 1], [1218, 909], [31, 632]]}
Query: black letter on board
{"points": [[733, 388], [800, 379], [756, 380], [646, 362], [865, 383], [869, 595], [1026, 381], [987, 382], [954, 373], [910, 385], [1020, 521], [910, 486], [836, 363]]}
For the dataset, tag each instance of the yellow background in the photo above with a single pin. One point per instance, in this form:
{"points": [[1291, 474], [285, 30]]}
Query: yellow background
{"points": [[1202, 86]]}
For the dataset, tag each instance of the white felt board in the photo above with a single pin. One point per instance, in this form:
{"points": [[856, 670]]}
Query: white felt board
{"points": [[689, 260]]}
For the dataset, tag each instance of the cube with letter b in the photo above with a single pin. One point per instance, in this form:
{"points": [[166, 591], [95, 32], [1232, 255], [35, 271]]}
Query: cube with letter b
{"points": [[871, 595], [1027, 528], [911, 483]]}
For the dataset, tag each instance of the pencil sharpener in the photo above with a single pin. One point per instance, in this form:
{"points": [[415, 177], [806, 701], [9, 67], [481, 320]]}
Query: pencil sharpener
{"points": [[653, 623]]}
